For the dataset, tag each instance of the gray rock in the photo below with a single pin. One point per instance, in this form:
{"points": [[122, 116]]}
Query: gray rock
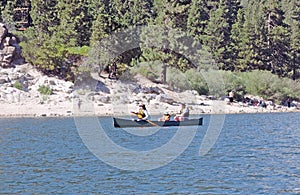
{"points": [[6, 41], [147, 90], [14, 76], [3, 31], [51, 82], [165, 99], [103, 99], [10, 51], [4, 79]]}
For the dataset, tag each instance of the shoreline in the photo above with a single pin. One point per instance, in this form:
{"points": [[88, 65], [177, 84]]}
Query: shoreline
{"points": [[109, 98], [74, 116], [66, 110]]}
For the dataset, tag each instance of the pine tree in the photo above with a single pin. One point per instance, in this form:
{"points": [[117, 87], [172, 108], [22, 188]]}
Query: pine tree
{"points": [[37, 45], [102, 26], [293, 20], [2, 7], [251, 39], [7, 13], [198, 19], [74, 25], [57, 30], [222, 16], [44, 16], [167, 36], [239, 43], [277, 39]]}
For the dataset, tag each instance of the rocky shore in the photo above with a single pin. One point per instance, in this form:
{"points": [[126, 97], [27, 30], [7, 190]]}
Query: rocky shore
{"points": [[20, 96]]}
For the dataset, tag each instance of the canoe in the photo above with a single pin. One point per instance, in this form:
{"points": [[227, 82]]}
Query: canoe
{"points": [[123, 123]]}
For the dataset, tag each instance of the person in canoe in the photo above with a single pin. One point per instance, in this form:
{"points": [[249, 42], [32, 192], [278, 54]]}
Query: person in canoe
{"points": [[166, 117], [183, 114], [142, 113]]}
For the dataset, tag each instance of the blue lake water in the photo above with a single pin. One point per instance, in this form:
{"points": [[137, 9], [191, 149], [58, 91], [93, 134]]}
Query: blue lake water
{"points": [[254, 154]]}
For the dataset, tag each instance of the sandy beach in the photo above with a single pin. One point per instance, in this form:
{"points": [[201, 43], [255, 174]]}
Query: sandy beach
{"points": [[69, 109]]}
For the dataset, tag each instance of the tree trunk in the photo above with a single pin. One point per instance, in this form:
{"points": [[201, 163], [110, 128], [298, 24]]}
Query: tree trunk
{"points": [[163, 75]]}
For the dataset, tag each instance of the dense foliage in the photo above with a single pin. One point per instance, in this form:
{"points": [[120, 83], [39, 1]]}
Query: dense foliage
{"points": [[258, 83], [241, 36]]}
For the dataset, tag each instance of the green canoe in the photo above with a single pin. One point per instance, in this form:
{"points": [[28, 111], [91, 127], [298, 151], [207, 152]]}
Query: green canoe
{"points": [[123, 123]]}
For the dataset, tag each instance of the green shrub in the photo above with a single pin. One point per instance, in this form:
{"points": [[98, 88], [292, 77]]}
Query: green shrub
{"points": [[263, 84], [177, 80], [127, 76], [45, 90], [18, 85], [150, 70], [219, 83], [197, 82]]}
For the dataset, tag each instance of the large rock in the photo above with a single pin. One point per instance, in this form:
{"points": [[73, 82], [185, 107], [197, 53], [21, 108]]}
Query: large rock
{"points": [[165, 99], [10, 51], [147, 90], [3, 31]]}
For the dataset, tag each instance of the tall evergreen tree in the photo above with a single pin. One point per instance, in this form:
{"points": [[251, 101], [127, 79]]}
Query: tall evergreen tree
{"points": [[132, 12], [295, 39], [37, 45], [2, 7], [7, 13], [277, 39], [251, 38], [222, 16], [74, 25], [102, 25], [239, 43], [44, 16], [197, 19], [55, 32], [170, 19]]}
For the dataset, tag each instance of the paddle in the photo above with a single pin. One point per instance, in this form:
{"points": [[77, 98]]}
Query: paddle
{"points": [[152, 123]]}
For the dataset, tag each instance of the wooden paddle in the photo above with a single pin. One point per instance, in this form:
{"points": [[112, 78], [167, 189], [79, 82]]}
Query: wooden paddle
{"points": [[152, 123]]}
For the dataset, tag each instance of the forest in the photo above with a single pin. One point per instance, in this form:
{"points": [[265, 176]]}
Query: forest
{"points": [[241, 36]]}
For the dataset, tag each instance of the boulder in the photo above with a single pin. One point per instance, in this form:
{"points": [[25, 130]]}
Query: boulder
{"points": [[147, 90], [4, 79], [165, 99], [103, 99], [3, 31], [10, 51]]}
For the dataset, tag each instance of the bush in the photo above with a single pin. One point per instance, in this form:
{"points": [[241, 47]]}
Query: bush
{"points": [[261, 83], [18, 85], [45, 90], [219, 83], [197, 82], [127, 76], [150, 70]]}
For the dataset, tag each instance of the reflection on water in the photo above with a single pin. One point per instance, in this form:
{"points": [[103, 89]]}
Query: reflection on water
{"points": [[255, 154]]}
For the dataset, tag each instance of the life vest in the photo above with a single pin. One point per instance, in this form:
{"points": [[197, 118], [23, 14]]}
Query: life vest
{"points": [[141, 114]]}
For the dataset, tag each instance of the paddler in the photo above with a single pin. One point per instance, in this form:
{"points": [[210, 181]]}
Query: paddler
{"points": [[183, 114], [166, 117], [142, 113]]}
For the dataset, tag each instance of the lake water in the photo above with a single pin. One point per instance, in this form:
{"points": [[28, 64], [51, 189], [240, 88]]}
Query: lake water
{"points": [[254, 154]]}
